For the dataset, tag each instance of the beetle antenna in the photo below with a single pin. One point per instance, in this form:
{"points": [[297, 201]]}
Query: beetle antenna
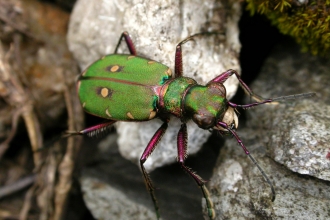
{"points": [[239, 141], [274, 100], [265, 176], [296, 96]]}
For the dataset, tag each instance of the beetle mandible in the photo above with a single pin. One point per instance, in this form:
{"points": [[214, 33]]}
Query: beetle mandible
{"points": [[127, 87]]}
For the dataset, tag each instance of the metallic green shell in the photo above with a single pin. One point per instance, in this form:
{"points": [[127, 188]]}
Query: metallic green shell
{"points": [[122, 87], [206, 101], [174, 93]]}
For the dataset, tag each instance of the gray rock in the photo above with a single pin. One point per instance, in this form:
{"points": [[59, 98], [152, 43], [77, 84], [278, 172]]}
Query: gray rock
{"points": [[299, 131], [303, 142], [113, 187], [156, 27], [108, 202], [106, 186], [289, 140]]}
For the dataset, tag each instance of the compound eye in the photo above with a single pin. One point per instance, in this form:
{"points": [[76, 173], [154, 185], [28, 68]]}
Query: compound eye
{"points": [[204, 121]]}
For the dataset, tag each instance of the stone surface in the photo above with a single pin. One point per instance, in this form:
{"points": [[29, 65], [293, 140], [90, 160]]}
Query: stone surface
{"points": [[113, 187], [105, 201], [303, 142], [156, 27], [105, 196], [299, 129], [289, 140]]}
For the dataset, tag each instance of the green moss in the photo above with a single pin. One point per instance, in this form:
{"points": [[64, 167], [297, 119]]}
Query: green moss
{"points": [[307, 23]]}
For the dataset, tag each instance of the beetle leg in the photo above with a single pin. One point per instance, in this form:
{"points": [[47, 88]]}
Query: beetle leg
{"points": [[92, 131], [128, 41], [178, 56], [148, 150], [182, 155], [178, 69], [178, 52], [225, 75], [219, 79]]}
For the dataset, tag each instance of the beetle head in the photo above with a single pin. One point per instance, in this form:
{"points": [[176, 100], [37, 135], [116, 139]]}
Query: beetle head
{"points": [[208, 106]]}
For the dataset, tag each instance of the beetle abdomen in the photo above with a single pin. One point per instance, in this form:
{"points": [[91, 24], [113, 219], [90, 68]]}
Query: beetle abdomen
{"points": [[122, 87]]}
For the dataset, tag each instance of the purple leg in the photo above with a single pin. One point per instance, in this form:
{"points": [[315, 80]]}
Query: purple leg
{"points": [[219, 79], [178, 53], [148, 150], [92, 131], [182, 155], [239, 141], [178, 61], [225, 75], [128, 41]]}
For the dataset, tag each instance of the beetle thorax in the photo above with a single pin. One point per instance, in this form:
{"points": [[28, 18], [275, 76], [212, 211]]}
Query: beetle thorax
{"points": [[206, 105], [171, 97]]}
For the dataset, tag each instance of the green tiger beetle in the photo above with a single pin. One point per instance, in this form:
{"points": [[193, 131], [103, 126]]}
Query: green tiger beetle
{"points": [[126, 87]]}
